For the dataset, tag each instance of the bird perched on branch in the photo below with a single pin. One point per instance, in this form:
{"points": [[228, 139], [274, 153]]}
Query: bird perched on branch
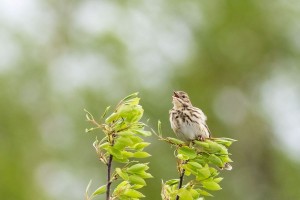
{"points": [[189, 122]]}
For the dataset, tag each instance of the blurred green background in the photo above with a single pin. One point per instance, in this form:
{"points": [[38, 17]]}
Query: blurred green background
{"points": [[238, 60]]}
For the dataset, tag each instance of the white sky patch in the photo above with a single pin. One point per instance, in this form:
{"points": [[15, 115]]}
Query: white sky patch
{"points": [[281, 100]]}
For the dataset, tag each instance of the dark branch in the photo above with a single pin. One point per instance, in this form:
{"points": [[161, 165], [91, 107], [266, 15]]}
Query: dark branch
{"points": [[108, 177], [180, 181]]}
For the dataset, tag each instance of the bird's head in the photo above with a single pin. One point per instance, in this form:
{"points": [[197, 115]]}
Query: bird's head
{"points": [[181, 99]]}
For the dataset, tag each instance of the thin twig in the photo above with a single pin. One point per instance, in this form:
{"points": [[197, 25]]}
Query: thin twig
{"points": [[108, 176], [180, 181]]}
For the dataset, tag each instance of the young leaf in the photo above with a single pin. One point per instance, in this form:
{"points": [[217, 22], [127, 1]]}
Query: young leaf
{"points": [[211, 185], [218, 180], [141, 154], [172, 182], [122, 174], [143, 133], [129, 97], [137, 168], [185, 194], [100, 190], [159, 128], [203, 173], [174, 141], [215, 160], [135, 179], [195, 164], [122, 142], [133, 193], [186, 151], [115, 152], [87, 189], [202, 144], [105, 112], [140, 146], [145, 175], [204, 193]]}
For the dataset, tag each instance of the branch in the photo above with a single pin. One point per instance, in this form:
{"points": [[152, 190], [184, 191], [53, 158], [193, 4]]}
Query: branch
{"points": [[108, 177], [180, 181]]}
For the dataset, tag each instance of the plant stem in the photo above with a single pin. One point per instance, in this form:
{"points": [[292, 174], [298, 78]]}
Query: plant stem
{"points": [[108, 176], [180, 181]]}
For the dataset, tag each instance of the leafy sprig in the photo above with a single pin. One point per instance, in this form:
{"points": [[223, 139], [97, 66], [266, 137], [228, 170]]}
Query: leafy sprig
{"points": [[202, 161], [122, 142]]}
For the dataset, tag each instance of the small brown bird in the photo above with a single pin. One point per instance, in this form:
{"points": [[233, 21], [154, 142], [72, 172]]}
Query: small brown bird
{"points": [[189, 122]]}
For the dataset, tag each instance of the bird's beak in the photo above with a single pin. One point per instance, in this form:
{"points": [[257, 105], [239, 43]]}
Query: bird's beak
{"points": [[175, 94]]}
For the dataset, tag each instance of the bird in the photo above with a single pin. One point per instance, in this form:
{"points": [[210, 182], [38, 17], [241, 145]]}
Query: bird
{"points": [[189, 122]]}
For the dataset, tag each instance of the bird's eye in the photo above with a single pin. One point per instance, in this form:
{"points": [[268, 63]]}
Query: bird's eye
{"points": [[183, 96]]}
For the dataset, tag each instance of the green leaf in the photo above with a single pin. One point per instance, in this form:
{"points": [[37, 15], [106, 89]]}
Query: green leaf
{"points": [[211, 185], [141, 154], [129, 97], [186, 151], [130, 113], [213, 171], [216, 148], [135, 139], [145, 175], [204, 193], [184, 194], [225, 158], [105, 112], [122, 142], [203, 173], [122, 174], [215, 160], [113, 117], [99, 191], [115, 152], [140, 146], [143, 133], [172, 182], [121, 160], [137, 168], [135, 179], [87, 189], [127, 154], [88, 115], [202, 144], [105, 145], [137, 186], [195, 164], [182, 157], [218, 180], [123, 186], [225, 139], [174, 141], [194, 193], [189, 168], [133, 193], [159, 128], [125, 133]]}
